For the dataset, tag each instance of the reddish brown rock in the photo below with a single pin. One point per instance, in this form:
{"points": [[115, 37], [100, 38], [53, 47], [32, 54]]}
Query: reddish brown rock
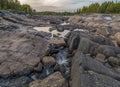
{"points": [[38, 68], [100, 57], [117, 37], [58, 41], [20, 52], [48, 59], [54, 80]]}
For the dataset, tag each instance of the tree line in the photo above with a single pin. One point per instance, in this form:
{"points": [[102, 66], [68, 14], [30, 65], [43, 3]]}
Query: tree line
{"points": [[15, 5], [54, 13], [106, 7]]}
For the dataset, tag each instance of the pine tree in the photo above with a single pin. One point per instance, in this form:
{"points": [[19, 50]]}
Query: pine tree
{"points": [[110, 8], [15, 5]]}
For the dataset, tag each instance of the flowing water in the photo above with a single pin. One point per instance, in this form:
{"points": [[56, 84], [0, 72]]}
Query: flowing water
{"points": [[62, 59], [64, 23], [63, 62], [83, 30], [53, 32]]}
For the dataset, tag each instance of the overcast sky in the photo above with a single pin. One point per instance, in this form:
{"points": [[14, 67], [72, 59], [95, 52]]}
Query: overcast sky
{"points": [[60, 5]]}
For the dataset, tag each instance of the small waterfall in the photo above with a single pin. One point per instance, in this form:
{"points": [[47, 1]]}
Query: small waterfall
{"points": [[82, 30], [53, 32], [63, 62], [64, 23], [47, 72]]}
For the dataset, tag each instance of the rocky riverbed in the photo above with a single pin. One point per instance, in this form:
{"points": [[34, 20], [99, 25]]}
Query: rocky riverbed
{"points": [[57, 51]]}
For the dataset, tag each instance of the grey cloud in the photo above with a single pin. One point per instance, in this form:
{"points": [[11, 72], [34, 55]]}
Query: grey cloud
{"points": [[59, 5]]}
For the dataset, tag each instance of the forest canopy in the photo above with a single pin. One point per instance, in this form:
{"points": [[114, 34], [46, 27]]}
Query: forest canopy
{"points": [[106, 7], [15, 5]]}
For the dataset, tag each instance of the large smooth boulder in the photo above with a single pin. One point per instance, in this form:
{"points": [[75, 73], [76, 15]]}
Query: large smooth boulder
{"points": [[102, 40], [107, 50], [88, 72], [92, 79], [58, 41], [54, 80], [105, 31], [73, 42], [20, 52], [87, 46], [74, 39]]}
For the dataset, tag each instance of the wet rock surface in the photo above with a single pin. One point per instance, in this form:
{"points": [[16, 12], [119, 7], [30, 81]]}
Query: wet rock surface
{"points": [[87, 56], [19, 52], [15, 82]]}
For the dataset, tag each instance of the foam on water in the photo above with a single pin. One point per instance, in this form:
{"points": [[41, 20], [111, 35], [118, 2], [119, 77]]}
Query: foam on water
{"points": [[47, 72], [62, 61], [64, 23], [83, 30], [54, 32], [108, 18]]}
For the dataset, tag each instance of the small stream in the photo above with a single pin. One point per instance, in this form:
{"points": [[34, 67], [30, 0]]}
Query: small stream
{"points": [[61, 54], [62, 57]]}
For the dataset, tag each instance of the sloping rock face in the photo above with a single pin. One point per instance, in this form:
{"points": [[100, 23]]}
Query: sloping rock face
{"points": [[9, 17], [96, 61], [88, 72], [20, 52], [86, 69]]}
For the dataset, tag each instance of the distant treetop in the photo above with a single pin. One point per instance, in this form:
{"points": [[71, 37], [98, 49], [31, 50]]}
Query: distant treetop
{"points": [[15, 5], [106, 7]]}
